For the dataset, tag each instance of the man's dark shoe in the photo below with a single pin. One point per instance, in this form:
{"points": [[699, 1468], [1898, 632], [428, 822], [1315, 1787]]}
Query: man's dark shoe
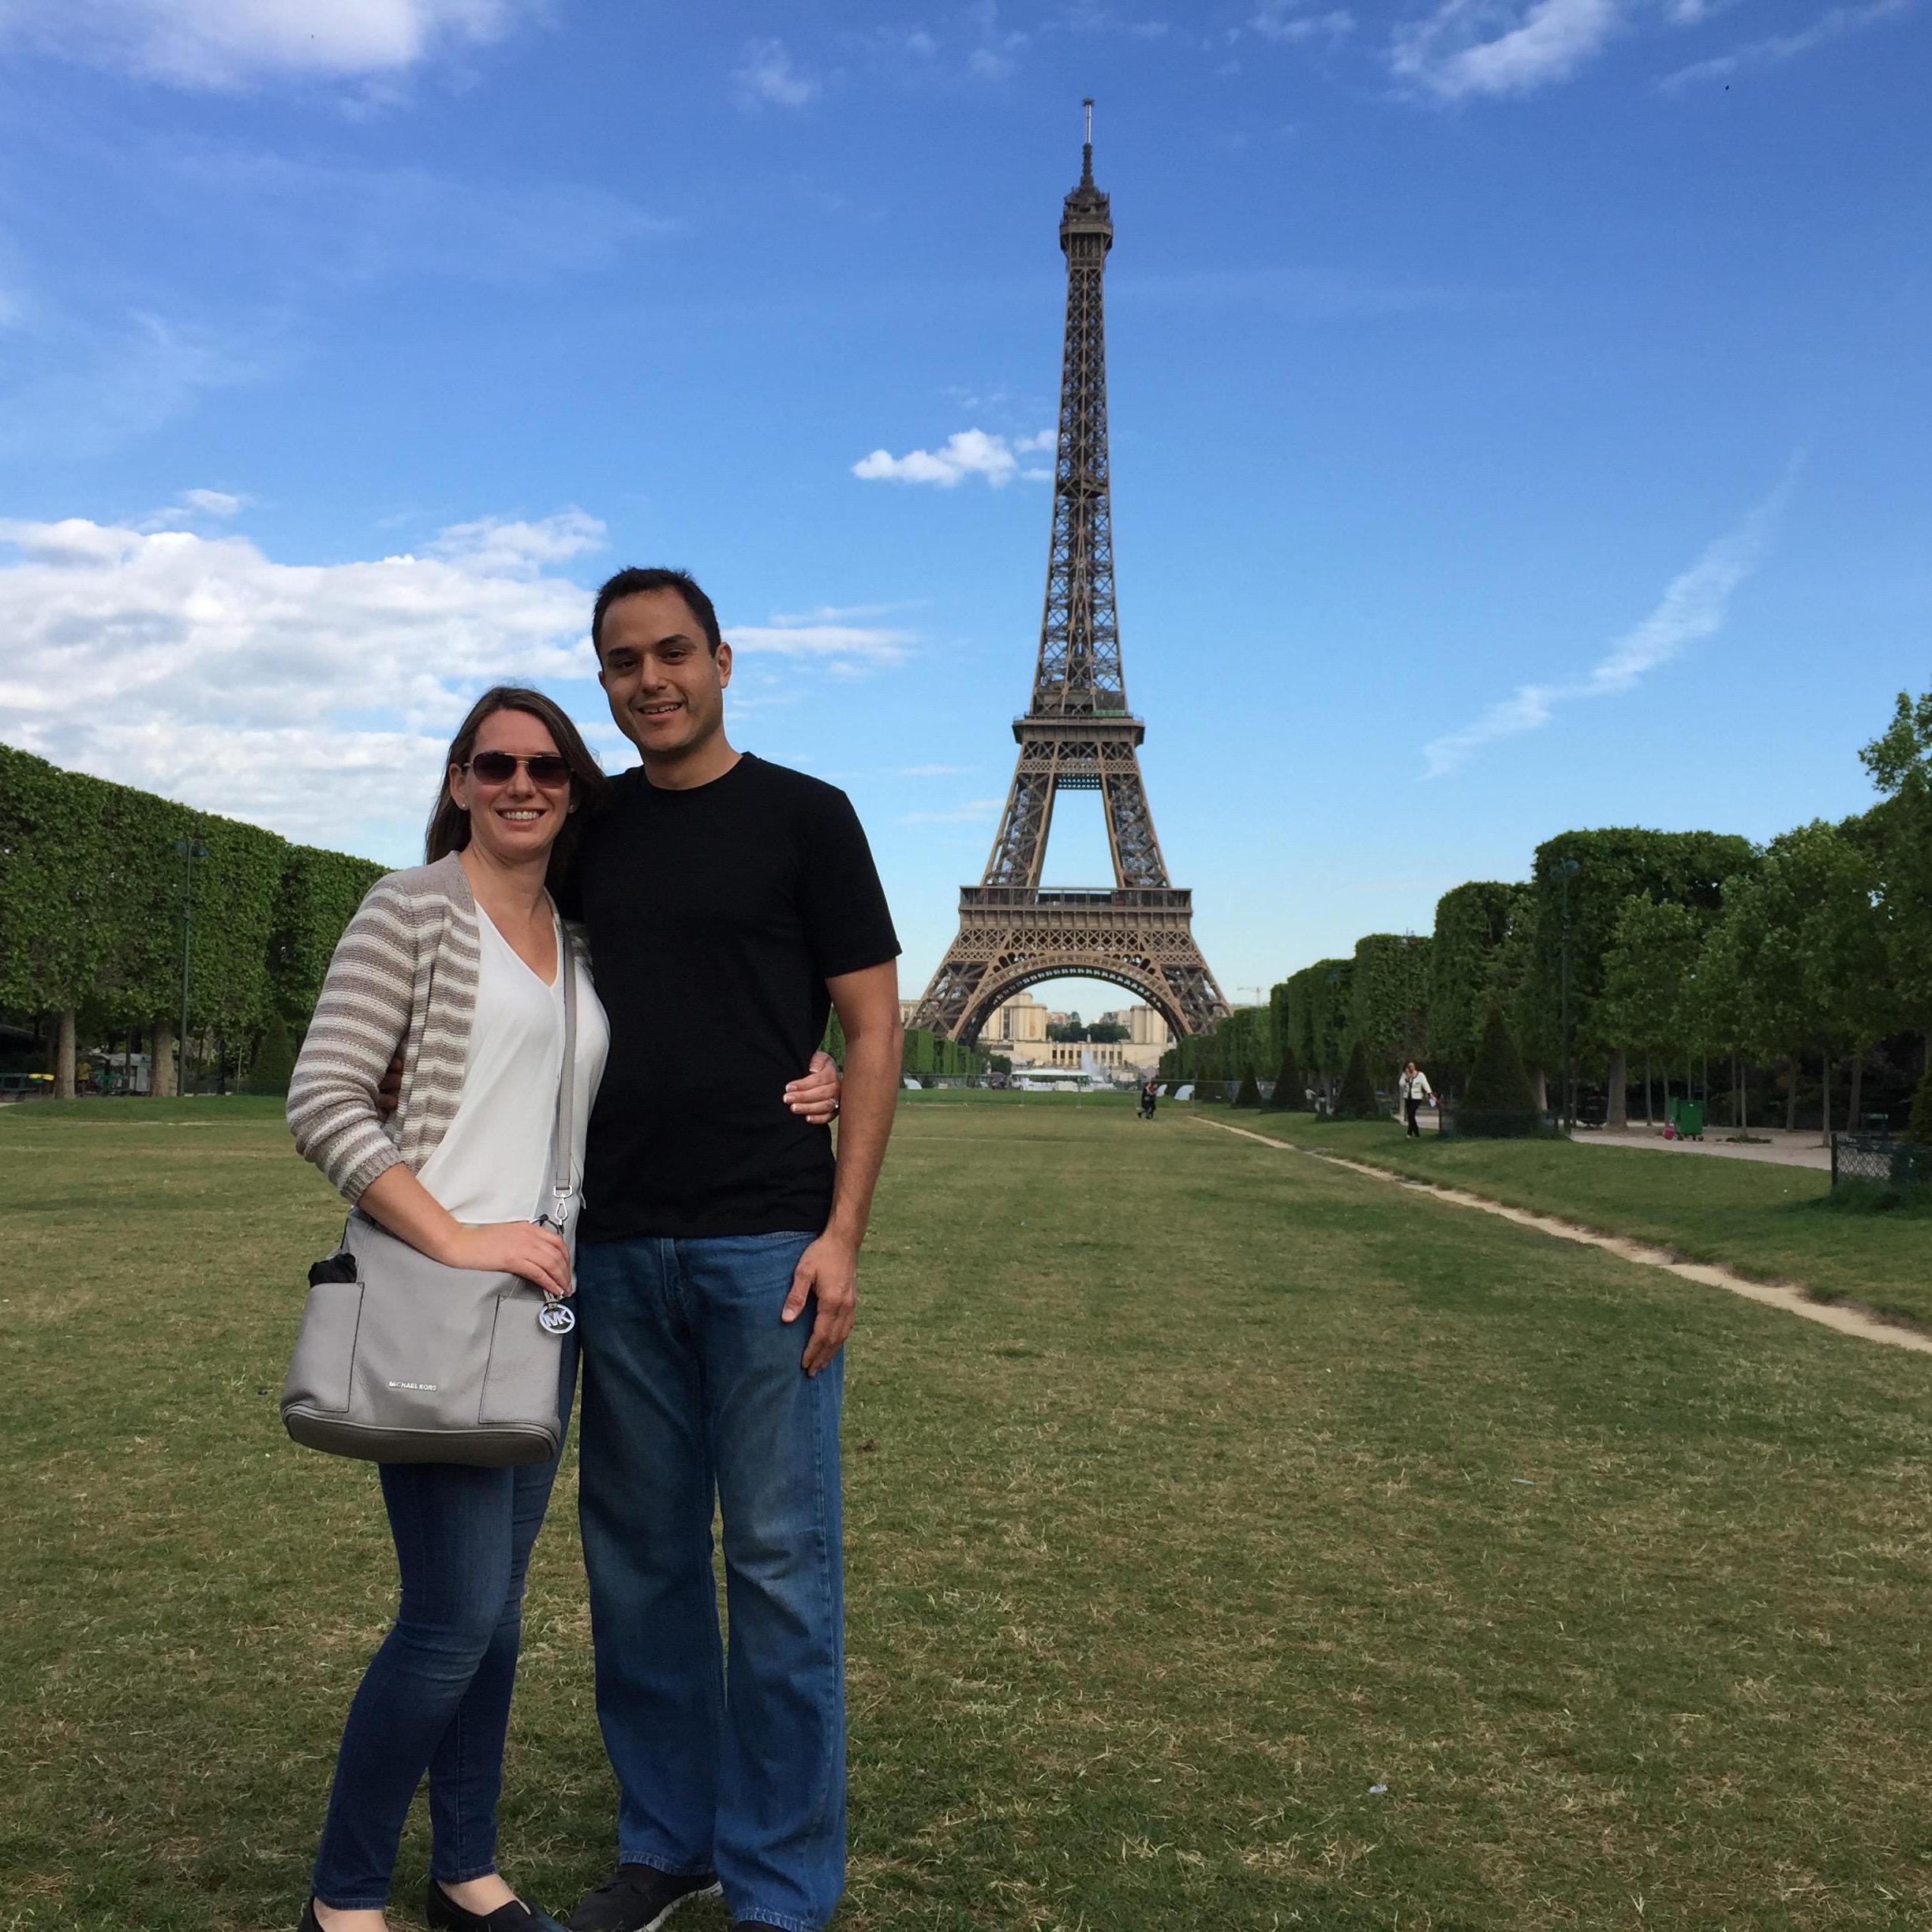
{"points": [[640, 1898]]}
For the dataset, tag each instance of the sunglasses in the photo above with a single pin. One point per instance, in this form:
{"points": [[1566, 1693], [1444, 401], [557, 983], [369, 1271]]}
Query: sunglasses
{"points": [[548, 768]]}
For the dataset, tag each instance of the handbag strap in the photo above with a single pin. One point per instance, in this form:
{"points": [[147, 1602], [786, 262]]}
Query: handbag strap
{"points": [[563, 1185]]}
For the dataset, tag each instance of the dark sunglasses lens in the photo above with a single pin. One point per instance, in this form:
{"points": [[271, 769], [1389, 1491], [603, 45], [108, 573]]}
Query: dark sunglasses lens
{"points": [[547, 768]]}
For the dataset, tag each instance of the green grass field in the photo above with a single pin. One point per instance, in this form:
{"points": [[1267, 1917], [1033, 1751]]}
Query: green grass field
{"points": [[1758, 1218], [1235, 1543]]}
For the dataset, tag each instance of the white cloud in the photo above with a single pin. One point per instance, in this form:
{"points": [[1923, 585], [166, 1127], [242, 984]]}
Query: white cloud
{"points": [[840, 646], [1694, 606], [195, 506], [966, 453], [971, 811], [317, 699], [510, 547], [213, 503], [992, 58], [766, 77], [1287, 23], [229, 43], [1833, 25], [1495, 47]]}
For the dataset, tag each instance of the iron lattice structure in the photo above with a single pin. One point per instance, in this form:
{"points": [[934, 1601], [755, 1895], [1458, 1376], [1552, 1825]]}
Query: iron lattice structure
{"points": [[1077, 735]]}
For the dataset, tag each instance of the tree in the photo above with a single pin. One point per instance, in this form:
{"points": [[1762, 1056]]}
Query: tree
{"points": [[1388, 999], [1473, 967], [1357, 1100], [1497, 1104], [1291, 1095], [1249, 1094], [1690, 868], [1899, 760], [1652, 954], [58, 870]]}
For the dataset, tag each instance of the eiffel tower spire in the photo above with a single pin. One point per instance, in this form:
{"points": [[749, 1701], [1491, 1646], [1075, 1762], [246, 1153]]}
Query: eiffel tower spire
{"points": [[1077, 733]]}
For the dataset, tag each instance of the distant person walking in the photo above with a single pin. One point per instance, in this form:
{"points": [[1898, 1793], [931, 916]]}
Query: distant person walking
{"points": [[1150, 1092], [1415, 1088]]}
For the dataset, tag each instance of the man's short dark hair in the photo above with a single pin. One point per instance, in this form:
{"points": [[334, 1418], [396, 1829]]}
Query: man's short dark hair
{"points": [[633, 582]]}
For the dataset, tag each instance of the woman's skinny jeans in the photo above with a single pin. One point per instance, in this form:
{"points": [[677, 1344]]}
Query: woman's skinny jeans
{"points": [[436, 1698]]}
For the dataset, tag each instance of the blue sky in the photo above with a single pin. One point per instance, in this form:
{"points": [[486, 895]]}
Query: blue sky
{"points": [[1519, 411]]}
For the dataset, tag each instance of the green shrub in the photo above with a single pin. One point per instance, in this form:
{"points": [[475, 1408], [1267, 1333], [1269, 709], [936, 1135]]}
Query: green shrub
{"points": [[1250, 1094], [1919, 1127], [1498, 1104], [274, 1058], [1911, 1201], [1357, 1100], [1290, 1090]]}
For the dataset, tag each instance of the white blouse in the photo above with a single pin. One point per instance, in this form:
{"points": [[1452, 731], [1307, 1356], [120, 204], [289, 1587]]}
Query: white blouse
{"points": [[493, 1163]]}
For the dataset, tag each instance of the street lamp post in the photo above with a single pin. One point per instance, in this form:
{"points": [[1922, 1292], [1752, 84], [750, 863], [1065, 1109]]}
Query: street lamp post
{"points": [[1566, 869], [190, 849]]}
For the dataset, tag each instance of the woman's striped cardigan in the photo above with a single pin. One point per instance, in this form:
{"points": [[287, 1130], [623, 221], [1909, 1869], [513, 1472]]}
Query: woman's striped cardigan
{"points": [[404, 975]]}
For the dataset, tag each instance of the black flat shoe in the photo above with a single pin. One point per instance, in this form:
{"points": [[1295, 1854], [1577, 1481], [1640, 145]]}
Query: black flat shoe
{"points": [[444, 1915]]}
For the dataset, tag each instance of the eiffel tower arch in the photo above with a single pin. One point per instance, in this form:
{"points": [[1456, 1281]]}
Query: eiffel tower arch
{"points": [[1077, 735]]}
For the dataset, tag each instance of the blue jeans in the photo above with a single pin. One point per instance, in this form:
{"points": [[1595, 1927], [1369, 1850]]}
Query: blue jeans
{"points": [[693, 1391], [436, 1697]]}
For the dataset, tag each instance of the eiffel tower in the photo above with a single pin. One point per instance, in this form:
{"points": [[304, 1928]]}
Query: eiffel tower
{"points": [[1077, 735]]}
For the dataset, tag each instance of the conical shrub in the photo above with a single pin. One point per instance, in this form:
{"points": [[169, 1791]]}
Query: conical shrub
{"points": [[1357, 1100], [1250, 1094], [1919, 1127], [1291, 1090], [1498, 1103], [274, 1058]]}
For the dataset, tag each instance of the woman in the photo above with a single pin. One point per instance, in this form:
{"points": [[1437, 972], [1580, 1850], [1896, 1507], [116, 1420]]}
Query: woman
{"points": [[1415, 1088], [457, 968]]}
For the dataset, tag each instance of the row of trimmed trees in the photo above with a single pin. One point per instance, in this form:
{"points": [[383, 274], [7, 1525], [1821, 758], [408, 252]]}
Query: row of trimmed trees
{"points": [[1671, 950], [93, 880]]}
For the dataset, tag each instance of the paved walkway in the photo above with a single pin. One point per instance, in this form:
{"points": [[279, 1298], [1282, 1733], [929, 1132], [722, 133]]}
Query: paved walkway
{"points": [[1797, 1149]]}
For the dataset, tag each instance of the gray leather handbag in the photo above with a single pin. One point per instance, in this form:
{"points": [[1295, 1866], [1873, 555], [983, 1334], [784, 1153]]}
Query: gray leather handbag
{"points": [[402, 1359]]}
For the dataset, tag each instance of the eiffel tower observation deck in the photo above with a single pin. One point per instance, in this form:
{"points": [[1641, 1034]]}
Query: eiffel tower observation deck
{"points": [[1077, 733]]}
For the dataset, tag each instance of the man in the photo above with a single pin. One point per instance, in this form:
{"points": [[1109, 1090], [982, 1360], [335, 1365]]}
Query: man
{"points": [[729, 903]]}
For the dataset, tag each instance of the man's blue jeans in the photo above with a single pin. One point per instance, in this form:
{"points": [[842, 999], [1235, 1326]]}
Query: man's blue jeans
{"points": [[692, 1390]]}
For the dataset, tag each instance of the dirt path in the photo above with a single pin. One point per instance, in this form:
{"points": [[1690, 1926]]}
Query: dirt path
{"points": [[1792, 1299], [1779, 1149]]}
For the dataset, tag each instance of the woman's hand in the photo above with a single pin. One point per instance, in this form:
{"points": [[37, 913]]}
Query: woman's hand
{"points": [[514, 1248], [816, 1096]]}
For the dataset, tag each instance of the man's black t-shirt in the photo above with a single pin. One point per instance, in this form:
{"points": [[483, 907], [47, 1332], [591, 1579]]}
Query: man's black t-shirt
{"points": [[715, 917]]}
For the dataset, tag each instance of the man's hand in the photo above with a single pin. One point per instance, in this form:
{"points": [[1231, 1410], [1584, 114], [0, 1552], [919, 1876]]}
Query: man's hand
{"points": [[828, 1271], [390, 1091], [816, 1096]]}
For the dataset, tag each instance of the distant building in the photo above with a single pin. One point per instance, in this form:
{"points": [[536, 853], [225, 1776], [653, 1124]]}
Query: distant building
{"points": [[1018, 1030]]}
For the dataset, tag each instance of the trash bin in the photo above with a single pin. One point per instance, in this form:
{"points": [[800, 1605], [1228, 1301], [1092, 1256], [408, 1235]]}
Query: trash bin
{"points": [[1689, 1120]]}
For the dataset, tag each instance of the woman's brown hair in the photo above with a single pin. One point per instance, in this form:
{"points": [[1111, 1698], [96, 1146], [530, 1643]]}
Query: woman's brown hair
{"points": [[449, 824]]}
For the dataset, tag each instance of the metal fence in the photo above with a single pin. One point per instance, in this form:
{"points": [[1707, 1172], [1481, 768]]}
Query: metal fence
{"points": [[1879, 1160]]}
